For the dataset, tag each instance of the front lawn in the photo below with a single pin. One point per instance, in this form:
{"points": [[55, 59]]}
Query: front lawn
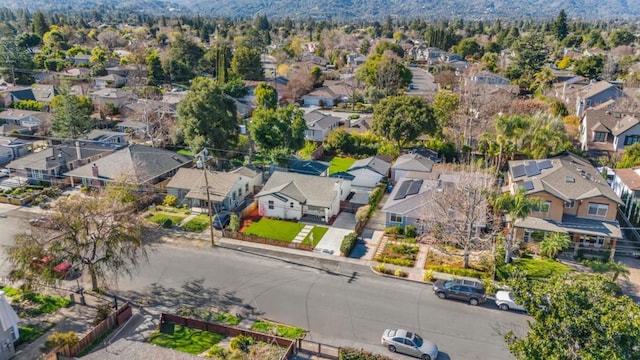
{"points": [[187, 340], [532, 268], [318, 232], [399, 254], [339, 164], [33, 304], [274, 229], [289, 332], [197, 224]]}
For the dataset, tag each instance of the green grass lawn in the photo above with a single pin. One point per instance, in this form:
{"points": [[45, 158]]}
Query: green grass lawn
{"points": [[289, 332], [160, 218], [185, 152], [318, 232], [274, 229], [532, 268], [187, 340], [339, 164], [35, 304], [197, 224]]}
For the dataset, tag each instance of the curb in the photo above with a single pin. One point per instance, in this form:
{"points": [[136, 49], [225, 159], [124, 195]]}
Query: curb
{"points": [[397, 277]]}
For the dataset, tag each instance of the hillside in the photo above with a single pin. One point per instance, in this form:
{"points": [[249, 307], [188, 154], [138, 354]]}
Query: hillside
{"points": [[355, 9]]}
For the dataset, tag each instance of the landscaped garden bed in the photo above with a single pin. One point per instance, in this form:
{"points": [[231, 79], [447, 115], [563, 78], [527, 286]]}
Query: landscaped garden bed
{"points": [[209, 315], [187, 340], [167, 216], [532, 268], [399, 254], [285, 331], [449, 261], [198, 224], [32, 304]]}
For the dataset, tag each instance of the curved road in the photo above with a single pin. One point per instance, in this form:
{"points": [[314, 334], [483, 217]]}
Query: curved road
{"points": [[339, 303]]}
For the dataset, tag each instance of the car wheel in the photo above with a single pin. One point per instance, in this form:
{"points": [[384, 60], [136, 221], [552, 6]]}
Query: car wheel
{"points": [[391, 348], [426, 357], [441, 295], [473, 302], [504, 307]]}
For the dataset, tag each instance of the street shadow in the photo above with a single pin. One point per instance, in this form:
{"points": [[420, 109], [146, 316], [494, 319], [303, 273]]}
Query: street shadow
{"points": [[191, 294], [443, 355]]}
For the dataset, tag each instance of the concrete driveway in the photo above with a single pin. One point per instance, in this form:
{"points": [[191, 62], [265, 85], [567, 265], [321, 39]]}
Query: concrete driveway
{"points": [[344, 224]]}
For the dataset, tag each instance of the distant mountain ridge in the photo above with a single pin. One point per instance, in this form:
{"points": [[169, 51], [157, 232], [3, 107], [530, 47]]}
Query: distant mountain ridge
{"points": [[353, 9]]}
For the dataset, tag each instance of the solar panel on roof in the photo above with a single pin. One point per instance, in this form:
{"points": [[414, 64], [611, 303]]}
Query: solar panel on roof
{"points": [[518, 171], [527, 185], [402, 190], [545, 164], [414, 188], [531, 169]]}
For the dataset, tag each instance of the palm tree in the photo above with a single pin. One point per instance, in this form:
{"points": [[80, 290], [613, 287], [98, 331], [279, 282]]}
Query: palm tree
{"points": [[616, 269], [517, 206], [553, 244], [509, 131]]}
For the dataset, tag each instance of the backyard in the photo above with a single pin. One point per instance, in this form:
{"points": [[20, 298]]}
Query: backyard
{"points": [[339, 164]]}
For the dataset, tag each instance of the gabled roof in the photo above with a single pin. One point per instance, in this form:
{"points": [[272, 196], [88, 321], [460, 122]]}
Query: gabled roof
{"points": [[624, 124], [112, 93], [48, 158], [630, 177], [110, 77], [596, 88], [307, 167], [413, 162], [307, 189], [44, 93], [566, 176], [247, 170], [411, 197], [137, 163], [193, 179], [317, 120], [22, 94], [19, 114], [373, 163]]}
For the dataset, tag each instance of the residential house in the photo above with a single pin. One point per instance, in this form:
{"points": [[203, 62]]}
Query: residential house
{"points": [[596, 93], [81, 59], [626, 184], [356, 59], [117, 97], [608, 131], [139, 165], [44, 93], [488, 78], [50, 164], [12, 129], [127, 71], [9, 332], [227, 190], [323, 96], [75, 73], [107, 136], [28, 119], [410, 165], [292, 196], [410, 200], [308, 167], [110, 81], [319, 125], [11, 94], [369, 172], [577, 201], [12, 148]]}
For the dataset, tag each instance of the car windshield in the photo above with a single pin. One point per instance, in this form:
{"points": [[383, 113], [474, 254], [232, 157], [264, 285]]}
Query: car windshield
{"points": [[511, 297], [418, 340]]}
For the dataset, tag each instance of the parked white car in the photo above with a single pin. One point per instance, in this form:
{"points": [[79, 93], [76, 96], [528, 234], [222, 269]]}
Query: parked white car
{"points": [[506, 301], [4, 172]]}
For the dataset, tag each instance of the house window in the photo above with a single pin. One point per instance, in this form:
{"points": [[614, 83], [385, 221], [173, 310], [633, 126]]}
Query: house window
{"points": [[291, 204], [631, 139], [395, 218], [233, 195], [240, 191], [246, 187], [598, 209], [599, 136], [569, 204], [543, 208], [271, 205], [527, 236]]}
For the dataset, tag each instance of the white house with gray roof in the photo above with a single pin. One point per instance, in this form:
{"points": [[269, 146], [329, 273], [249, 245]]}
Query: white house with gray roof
{"points": [[319, 125], [577, 201], [291, 196], [410, 165], [367, 173]]}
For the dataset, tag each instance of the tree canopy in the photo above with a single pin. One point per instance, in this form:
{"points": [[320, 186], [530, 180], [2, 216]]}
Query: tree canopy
{"points": [[266, 96], [208, 117], [281, 128], [246, 64], [402, 119], [576, 317], [71, 116], [384, 72]]}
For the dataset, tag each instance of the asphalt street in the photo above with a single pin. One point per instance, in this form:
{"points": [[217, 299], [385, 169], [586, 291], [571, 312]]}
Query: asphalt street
{"points": [[340, 304]]}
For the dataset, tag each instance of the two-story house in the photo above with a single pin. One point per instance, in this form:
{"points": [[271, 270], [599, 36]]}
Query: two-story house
{"points": [[28, 119], [319, 125], [607, 131], [595, 94], [576, 201]]}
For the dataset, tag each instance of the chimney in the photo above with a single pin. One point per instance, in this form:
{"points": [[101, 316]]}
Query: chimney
{"points": [[78, 152], [94, 171], [62, 160]]}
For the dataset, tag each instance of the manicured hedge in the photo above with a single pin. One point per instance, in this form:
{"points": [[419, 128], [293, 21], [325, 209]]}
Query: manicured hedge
{"points": [[348, 243]]}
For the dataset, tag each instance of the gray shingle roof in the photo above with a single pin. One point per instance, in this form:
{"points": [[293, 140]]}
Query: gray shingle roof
{"points": [[413, 162], [140, 162], [312, 190], [317, 120], [572, 224], [47, 158], [192, 179], [374, 163]]}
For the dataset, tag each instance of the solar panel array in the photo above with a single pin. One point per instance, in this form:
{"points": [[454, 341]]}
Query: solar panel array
{"points": [[408, 187], [414, 188], [518, 171], [531, 168], [545, 164], [527, 185]]}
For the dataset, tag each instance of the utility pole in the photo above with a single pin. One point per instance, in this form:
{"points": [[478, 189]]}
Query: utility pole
{"points": [[201, 164]]}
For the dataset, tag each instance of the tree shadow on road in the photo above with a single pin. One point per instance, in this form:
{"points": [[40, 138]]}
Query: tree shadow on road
{"points": [[191, 294]]}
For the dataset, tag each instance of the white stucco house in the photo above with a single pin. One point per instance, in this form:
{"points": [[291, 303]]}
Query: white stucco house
{"points": [[369, 172], [291, 196], [319, 125]]}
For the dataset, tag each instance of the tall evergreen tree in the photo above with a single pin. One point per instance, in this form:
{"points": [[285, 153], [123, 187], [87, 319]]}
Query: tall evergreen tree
{"points": [[561, 28]]}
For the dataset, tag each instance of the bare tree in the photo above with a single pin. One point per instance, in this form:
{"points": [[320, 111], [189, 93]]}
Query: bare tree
{"points": [[300, 82], [111, 39], [460, 211]]}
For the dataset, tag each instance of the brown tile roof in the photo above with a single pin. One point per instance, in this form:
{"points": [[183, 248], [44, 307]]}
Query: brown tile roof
{"points": [[630, 177]]}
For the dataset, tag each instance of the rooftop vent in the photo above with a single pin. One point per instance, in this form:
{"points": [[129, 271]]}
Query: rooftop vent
{"points": [[570, 179]]}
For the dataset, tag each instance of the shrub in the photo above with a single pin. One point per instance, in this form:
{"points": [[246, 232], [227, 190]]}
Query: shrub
{"points": [[429, 276], [396, 261], [362, 214], [348, 243], [355, 354], [458, 271], [400, 273], [489, 286], [102, 312], [394, 230], [410, 231], [241, 342], [170, 200], [167, 223], [217, 352], [57, 339], [85, 189], [234, 223], [381, 268], [373, 195]]}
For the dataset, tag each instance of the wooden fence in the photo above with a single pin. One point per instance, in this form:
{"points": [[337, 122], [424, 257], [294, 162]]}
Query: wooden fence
{"points": [[230, 331], [261, 240], [116, 318]]}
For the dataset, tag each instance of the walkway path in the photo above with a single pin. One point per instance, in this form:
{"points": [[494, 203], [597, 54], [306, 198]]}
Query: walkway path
{"points": [[302, 234]]}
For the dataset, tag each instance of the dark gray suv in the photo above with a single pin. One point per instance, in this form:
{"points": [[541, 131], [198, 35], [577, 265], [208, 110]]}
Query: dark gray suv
{"points": [[471, 291]]}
